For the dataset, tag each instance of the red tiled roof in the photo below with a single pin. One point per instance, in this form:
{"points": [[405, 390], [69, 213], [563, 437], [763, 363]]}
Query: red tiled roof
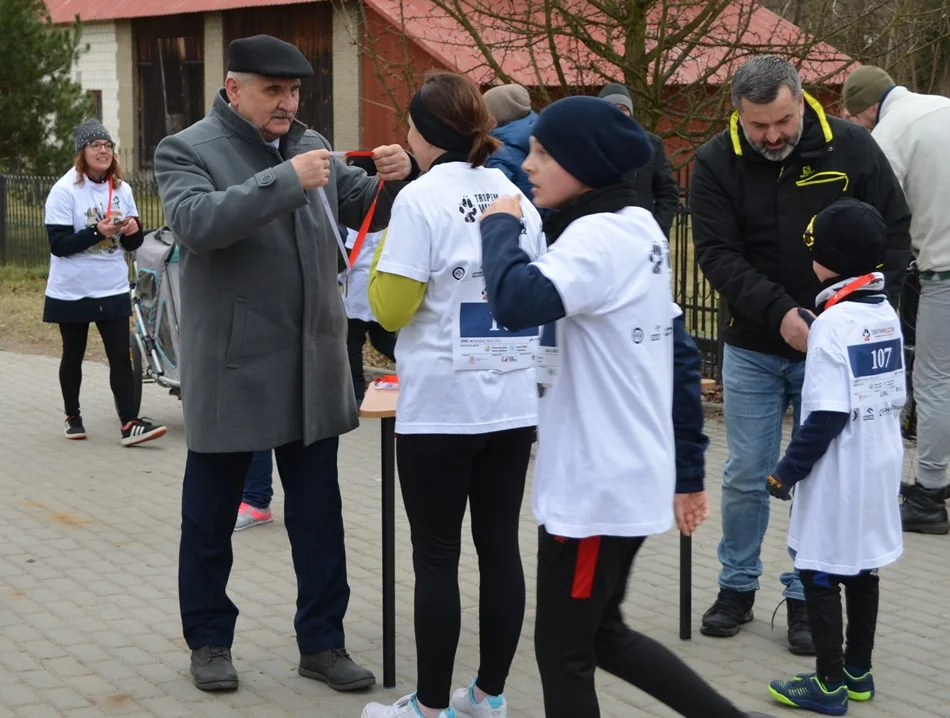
{"points": [[90, 10], [446, 40]]}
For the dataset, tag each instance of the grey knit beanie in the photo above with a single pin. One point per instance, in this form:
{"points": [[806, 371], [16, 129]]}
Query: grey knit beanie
{"points": [[618, 94], [508, 103], [89, 131]]}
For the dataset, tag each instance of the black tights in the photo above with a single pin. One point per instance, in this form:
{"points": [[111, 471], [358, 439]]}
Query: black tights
{"points": [[579, 628], [115, 339], [439, 475]]}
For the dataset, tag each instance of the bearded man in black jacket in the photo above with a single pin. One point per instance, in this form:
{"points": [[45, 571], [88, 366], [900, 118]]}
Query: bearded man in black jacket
{"points": [[755, 188]]}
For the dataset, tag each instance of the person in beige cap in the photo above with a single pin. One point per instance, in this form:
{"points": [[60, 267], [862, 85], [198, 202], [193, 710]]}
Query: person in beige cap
{"points": [[911, 129], [510, 105]]}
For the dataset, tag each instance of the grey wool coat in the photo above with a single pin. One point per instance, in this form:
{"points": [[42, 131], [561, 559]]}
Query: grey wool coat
{"points": [[263, 331]]}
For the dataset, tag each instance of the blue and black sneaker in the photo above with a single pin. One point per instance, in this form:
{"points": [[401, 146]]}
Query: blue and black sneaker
{"points": [[806, 691], [860, 687]]}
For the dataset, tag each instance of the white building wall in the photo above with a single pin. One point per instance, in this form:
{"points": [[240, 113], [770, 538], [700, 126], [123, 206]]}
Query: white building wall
{"points": [[97, 69]]}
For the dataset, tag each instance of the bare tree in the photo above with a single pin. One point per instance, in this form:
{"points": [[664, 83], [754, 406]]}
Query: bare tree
{"points": [[676, 56]]}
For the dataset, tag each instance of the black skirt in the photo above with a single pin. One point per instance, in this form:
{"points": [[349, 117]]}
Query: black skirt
{"points": [[87, 310]]}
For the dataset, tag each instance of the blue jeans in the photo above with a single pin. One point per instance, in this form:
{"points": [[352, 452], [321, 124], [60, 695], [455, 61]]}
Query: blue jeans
{"points": [[757, 389], [259, 482]]}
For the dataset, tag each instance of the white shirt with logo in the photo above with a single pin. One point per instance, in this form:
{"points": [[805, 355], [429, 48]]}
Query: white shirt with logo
{"points": [[101, 270], [459, 371], [606, 458], [845, 514]]}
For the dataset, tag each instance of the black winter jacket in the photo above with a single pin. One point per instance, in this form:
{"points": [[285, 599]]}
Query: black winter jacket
{"points": [[657, 189], [749, 215]]}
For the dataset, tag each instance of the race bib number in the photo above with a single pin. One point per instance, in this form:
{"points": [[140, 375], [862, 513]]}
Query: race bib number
{"points": [[480, 342], [548, 358], [876, 360]]}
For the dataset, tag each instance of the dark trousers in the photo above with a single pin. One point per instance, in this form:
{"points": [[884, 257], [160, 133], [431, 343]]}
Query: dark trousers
{"points": [[439, 474], [823, 599], [384, 342], [313, 515], [579, 628], [259, 483], [115, 340]]}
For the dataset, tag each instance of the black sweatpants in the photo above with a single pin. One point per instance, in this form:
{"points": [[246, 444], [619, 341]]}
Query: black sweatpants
{"points": [[440, 474], [115, 339], [384, 342], [823, 600], [579, 628]]}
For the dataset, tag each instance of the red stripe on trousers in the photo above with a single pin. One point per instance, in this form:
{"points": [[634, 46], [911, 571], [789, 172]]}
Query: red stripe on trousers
{"points": [[587, 550]]}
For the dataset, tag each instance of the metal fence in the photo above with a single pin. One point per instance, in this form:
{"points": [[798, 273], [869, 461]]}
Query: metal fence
{"points": [[23, 242]]}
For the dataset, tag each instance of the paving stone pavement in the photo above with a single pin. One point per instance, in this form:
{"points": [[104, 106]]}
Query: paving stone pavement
{"points": [[89, 620]]}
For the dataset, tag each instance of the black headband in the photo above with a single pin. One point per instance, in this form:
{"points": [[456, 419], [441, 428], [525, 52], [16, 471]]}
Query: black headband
{"points": [[435, 131]]}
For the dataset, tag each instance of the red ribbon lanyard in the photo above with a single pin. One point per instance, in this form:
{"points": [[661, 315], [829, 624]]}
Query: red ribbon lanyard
{"points": [[368, 219], [109, 205], [848, 289]]}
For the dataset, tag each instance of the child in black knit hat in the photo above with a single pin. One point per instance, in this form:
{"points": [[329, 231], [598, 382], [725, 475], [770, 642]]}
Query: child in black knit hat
{"points": [[613, 348], [845, 459]]}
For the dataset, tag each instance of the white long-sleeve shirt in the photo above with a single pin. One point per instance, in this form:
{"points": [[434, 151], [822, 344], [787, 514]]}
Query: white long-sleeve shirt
{"points": [[912, 132]]}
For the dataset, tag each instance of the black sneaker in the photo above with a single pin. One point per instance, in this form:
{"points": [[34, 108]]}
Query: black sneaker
{"points": [[212, 670], [335, 668], [74, 428], [138, 431], [924, 510], [731, 610], [799, 629]]}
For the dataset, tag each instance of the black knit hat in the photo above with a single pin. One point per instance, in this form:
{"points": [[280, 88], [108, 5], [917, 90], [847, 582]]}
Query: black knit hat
{"points": [[848, 238], [593, 140], [617, 94]]}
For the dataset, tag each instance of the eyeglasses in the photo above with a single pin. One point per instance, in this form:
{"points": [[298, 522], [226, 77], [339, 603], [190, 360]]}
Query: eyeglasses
{"points": [[101, 145]]}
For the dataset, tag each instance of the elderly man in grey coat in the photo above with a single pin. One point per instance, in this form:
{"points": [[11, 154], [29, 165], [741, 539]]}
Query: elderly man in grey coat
{"points": [[263, 345]]}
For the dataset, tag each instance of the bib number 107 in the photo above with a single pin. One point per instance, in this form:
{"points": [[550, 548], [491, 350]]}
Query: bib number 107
{"points": [[881, 358]]}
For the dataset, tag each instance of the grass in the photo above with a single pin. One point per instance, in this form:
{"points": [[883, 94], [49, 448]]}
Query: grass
{"points": [[22, 328]]}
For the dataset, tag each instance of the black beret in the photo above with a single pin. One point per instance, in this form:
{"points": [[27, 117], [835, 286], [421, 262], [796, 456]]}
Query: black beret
{"points": [[268, 56]]}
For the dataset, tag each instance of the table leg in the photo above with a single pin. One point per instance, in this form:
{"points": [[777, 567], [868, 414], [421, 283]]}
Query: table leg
{"points": [[388, 455], [686, 586]]}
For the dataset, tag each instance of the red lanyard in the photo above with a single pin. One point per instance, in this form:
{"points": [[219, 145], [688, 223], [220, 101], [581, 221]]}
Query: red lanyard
{"points": [[368, 219], [109, 205], [848, 289]]}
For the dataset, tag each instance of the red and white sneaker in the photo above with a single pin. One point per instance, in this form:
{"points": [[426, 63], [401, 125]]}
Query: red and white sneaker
{"points": [[138, 431], [249, 516]]}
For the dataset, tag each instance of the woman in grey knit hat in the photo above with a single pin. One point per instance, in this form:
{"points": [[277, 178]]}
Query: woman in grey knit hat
{"points": [[92, 221]]}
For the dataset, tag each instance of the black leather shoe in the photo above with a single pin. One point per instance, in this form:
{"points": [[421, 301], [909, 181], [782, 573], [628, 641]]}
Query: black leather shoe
{"points": [[731, 610], [335, 668], [799, 630], [212, 670], [924, 510]]}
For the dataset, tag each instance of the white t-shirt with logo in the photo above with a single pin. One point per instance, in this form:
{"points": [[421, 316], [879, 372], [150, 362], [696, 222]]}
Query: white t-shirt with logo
{"points": [[845, 514], [459, 372], [606, 460], [101, 270], [356, 296]]}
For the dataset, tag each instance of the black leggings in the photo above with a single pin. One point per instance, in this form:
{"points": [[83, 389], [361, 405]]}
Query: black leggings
{"points": [[823, 600], [384, 342], [115, 339], [579, 628], [440, 474]]}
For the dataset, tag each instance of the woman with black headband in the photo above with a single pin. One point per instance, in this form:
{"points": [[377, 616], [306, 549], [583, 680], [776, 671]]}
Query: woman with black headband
{"points": [[467, 402]]}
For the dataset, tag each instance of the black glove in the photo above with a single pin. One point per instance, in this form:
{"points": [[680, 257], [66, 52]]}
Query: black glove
{"points": [[778, 488]]}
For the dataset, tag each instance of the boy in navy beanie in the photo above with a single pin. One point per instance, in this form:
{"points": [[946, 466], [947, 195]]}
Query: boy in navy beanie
{"points": [[613, 347], [846, 458]]}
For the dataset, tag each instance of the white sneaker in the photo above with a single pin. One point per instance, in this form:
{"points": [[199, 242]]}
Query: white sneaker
{"points": [[405, 707], [463, 701]]}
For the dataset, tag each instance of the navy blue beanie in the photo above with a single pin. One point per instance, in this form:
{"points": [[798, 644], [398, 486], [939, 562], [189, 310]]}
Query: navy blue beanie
{"points": [[593, 140]]}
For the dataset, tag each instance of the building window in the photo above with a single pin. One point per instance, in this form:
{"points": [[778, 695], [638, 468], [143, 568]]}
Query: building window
{"points": [[95, 102]]}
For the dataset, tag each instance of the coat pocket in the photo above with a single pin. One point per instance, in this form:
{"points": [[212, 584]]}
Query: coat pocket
{"points": [[238, 334]]}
